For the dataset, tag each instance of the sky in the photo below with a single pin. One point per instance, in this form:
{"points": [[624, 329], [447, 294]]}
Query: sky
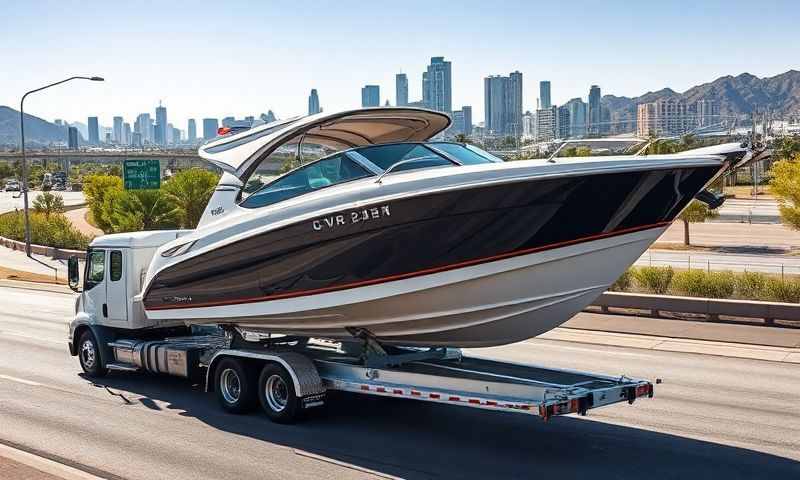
{"points": [[215, 59]]}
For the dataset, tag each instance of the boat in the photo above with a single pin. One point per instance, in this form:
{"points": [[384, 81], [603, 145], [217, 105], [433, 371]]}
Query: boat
{"points": [[388, 232]]}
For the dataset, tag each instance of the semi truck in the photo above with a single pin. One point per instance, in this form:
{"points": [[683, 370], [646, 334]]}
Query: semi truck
{"points": [[288, 375]]}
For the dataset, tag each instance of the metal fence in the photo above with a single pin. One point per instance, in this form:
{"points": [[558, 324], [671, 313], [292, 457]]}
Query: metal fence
{"points": [[710, 264]]}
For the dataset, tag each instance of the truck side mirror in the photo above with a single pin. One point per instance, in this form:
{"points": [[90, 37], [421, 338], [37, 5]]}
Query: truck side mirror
{"points": [[73, 273]]}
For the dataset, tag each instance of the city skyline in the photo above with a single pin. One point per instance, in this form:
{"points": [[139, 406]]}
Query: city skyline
{"points": [[249, 77]]}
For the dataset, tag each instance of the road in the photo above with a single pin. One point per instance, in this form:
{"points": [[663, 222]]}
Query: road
{"points": [[765, 263], [8, 202], [712, 417], [748, 210], [736, 237]]}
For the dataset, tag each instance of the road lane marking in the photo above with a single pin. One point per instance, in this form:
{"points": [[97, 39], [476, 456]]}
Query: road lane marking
{"points": [[343, 464], [20, 380]]}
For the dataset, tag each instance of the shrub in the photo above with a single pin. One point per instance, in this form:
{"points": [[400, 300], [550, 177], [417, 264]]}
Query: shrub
{"points": [[48, 203], [720, 284], [95, 188], [189, 191], [52, 230], [654, 279], [623, 283], [136, 210], [691, 283], [783, 290], [751, 285]]}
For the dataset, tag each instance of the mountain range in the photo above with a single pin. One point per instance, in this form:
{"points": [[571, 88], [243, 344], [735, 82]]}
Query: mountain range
{"points": [[736, 96], [739, 95]]}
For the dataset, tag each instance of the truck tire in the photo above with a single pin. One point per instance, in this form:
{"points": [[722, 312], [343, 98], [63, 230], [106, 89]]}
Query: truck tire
{"points": [[277, 395], [234, 383], [89, 356]]}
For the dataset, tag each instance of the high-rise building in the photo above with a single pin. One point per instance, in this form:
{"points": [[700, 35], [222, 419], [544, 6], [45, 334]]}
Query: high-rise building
{"points": [[544, 94], [594, 113], [269, 117], [577, 117], [371, 96], [117, 130], [462, 121], [528, 130], [94, 131], [313, 102], [467, 109], [503, 104], [191, 132], [437, 85], [72, 138], [210, 127], [665, 117], [161, 123], [562, 121], [126, 133], [546, 124], [401, 90], [136, 139], [169, 140], [707, 113], [143, 126], [176, 136]]}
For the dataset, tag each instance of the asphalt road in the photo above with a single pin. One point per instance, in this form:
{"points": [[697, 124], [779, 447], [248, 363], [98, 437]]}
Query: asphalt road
{"points": [[713, 417], [777, 264], [8, 202]]}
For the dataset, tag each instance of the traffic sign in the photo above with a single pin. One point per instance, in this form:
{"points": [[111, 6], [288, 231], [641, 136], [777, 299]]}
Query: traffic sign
{"points": [[142, 174]]}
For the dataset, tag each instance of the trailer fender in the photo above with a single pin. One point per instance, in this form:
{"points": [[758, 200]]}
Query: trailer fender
{"points": [[305, 376]]}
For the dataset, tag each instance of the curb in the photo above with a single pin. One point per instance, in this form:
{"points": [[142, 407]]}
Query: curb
{"points": [[46, 465], [52, 252], [45, 287]]}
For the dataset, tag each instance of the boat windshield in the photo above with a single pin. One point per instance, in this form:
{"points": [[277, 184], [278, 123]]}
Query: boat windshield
{"points": [[420, 155]]}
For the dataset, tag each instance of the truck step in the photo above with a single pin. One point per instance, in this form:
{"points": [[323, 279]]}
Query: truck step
{"points": [[123, 367]]}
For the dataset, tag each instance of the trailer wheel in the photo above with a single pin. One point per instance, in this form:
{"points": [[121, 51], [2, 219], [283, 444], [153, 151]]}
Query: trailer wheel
{"points": [[277, 396], [89, 355], [234, 386]]}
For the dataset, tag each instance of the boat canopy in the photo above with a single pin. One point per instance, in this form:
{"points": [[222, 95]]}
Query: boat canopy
{"points": [[342, 130]]}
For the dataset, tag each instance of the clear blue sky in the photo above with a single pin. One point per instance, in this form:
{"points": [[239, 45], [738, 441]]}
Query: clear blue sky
{"points": [[241, 58]]}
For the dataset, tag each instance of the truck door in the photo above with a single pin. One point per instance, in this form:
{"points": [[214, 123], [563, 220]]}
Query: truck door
{"points": [[94, 292], [116, 292]]}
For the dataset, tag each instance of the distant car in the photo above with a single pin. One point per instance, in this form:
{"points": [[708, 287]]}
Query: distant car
{"points": [[58, 186], [12, 186]]}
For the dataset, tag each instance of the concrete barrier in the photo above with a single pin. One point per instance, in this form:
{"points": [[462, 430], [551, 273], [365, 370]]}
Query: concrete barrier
{"points": [[52, 252], [712, 308]]}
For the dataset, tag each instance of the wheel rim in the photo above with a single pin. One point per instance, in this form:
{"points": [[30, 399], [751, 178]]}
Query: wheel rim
{"points": [[230, 385], [277, 393], [88, 357]]}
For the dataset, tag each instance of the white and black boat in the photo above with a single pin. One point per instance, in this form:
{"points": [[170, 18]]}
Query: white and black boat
{"points": [[414, 241]]}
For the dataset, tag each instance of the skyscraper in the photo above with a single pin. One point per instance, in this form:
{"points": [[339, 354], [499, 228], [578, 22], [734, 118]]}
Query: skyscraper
{"points": [[371, 96], [117, 130], [577, 117], [467, 119], [593, 113], [562, 122], [143, 127], [210, 127], [94, 131], [72, 138], [503, 104], [437, 87], [313, 102], [462, 121], [192, 131], [401, 89], [544, 94], [161, 123], [546, 124], [126, 133]]}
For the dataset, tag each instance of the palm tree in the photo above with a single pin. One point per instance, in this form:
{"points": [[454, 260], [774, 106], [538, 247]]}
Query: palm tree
{"points": [[189, 191], [136, 210]]}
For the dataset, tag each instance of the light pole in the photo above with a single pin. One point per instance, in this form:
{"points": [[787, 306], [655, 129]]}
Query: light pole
{"points": [[24, 160]]}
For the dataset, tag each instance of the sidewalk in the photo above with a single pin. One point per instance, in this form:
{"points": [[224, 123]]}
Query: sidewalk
{"points": [[16, 464], [77, 218], [16, 260]]}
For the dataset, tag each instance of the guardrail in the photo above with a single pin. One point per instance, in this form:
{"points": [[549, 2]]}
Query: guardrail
{"points": [[712, 308]]}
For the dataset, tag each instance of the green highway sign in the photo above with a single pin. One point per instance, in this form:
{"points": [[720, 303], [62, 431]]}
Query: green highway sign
{"points": [[142, 174]]}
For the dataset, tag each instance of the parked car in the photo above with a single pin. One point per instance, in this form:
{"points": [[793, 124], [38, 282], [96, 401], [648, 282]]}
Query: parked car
{"points": [[12, 186]]}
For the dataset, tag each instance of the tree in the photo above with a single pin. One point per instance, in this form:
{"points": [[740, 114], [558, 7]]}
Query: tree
{"points": [[137, 210], [696, 212], [48, 203], [95, 188], [189, 191], [787, 148], [785, 185]]}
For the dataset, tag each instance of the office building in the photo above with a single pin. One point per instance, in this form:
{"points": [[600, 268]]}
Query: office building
{"points": [[503, 104], [313, 102], [143, 126], [126, 133], [546, 124], [136, 140], [161, 124], [528, 130], [594, 114], [437, 86], [467, 113], [210, 127], [176, 136], [401, 89], [191, 131], [72, 138], [94, 131], [577, 117], [117, 130], [562, 122], [544, 95], [371, 96]]}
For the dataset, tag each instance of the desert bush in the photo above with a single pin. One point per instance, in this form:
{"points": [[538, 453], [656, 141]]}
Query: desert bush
{"points": [[690, 283], [783, 290], [751, 285], [654, 279], [720, 284], [53, 230], [623, 283], [48, 203]]}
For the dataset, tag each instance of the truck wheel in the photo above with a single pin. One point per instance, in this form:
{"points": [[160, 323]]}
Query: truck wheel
{"points": [[277, 396], [89, 356], [234, 386]]}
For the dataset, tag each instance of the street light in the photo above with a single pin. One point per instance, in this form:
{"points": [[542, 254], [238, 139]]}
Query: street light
{"points": [[24, 160]]}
